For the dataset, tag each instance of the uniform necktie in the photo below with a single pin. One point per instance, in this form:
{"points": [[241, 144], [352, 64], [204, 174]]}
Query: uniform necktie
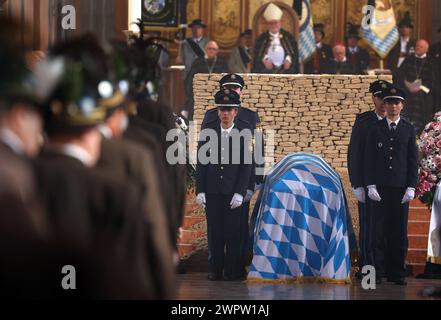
{"points": [[393, 126]]}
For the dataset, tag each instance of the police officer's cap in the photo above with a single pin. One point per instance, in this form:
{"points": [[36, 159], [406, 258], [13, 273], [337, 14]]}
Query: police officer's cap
{"points": [[227, 99], [378, 87], [232, 79], [393, 93]]}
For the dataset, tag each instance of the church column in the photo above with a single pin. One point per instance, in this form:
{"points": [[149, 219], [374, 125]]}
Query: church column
{"points": [[121, 17], [338, 20], [436, 21], [424, 30]]}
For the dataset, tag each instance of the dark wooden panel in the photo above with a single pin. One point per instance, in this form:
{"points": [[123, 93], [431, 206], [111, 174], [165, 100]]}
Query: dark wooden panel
{"points": [[423, 20], [338, 20], [121, 17]]}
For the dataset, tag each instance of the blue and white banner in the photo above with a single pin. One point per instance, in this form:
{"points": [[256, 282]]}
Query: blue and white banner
{"points": [[379, 27], [302, 225], [307, 44]]}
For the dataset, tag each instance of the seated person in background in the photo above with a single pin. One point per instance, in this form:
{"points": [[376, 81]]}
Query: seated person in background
{"points": [[339, 64], [210, 63], [357, 56], [419, 79], [322, 53], [275, 50], [240, 59]]}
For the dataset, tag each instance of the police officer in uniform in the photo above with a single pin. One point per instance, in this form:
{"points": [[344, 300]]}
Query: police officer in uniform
{"points": [[391, 175], [248, 117], [356, 157], [221, 187], [251, 120]]}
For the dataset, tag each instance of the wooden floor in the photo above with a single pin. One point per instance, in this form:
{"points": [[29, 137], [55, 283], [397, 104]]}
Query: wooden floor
{"points": [[195, 286]]}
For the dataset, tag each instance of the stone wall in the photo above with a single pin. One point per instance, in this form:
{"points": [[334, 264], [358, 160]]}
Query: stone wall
{"points": [[311, 113]]}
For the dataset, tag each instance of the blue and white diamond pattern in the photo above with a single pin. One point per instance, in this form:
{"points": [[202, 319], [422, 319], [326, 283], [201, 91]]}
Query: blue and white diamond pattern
{"points": [[301, 228]]}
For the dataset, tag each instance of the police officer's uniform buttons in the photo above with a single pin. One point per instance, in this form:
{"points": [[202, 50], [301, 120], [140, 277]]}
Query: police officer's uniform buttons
{"points": [[221, 177], [390, 168], [222, 168], [391, 139], [391, 148], [390, 158]]}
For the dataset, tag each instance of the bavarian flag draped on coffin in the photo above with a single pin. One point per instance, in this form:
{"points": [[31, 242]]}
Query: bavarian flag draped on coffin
{"points": [[301, 229]]}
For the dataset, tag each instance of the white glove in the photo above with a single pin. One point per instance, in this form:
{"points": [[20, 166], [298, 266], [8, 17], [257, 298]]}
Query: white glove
{"points": [[200, 199], [409, 195], [237, 201], [248, 196], [373, 193], [360, 194]]}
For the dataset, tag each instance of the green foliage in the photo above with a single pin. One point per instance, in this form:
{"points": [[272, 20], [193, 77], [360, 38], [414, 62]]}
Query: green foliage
{"points": [[191, 178], [427, 197]]}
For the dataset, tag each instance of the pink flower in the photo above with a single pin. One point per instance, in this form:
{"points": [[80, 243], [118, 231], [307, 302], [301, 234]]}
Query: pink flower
{"points": [[436, 126], [428, 126], [431, 178], [426, 186]]}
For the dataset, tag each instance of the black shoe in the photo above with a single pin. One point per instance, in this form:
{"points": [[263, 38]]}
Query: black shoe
{"points": [[181, 268], [237, 278], [214, 277]]}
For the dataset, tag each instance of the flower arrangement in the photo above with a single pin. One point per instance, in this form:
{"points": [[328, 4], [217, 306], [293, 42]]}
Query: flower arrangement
{"points": [[430, 163]]}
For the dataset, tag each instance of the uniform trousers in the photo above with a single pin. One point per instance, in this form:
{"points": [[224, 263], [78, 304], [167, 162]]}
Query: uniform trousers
{"points": [[390, 232], [244, 241], [366, 242], [224, 236]]}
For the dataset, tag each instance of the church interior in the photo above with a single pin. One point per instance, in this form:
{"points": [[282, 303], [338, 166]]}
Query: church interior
{"points": [[304, 112]]}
